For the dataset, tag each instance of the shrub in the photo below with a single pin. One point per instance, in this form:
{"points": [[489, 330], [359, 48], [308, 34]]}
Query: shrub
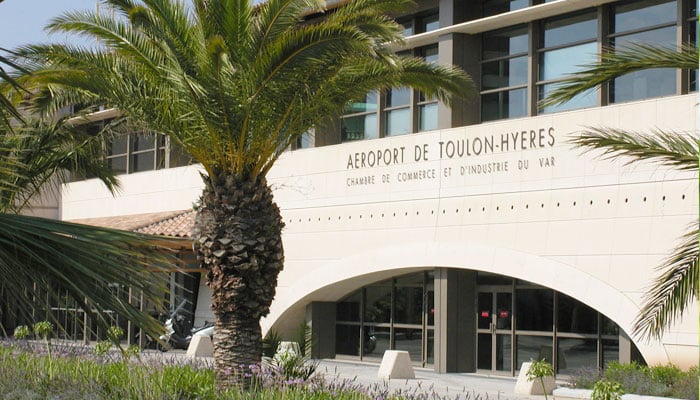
{"points": [[539, 370], [585, 378], [22, 332], [667, 374], [606, 390], [270, 343], [666, 380], [686, 387]]}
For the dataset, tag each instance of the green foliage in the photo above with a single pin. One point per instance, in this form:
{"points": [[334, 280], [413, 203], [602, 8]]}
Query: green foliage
{"points": [[667, 374], [539, 370], [607, 390], [663, 380], [102, 347], [270, 343], [43, 329], [676, 286], [304, 338], [114, 333], [22, 332], [24, 376]]}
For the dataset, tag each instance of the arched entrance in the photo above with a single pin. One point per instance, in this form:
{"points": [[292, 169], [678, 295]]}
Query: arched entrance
{"points": [[460, 269]]}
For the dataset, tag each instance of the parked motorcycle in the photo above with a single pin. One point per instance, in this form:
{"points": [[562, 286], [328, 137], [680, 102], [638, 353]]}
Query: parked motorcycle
{"points": [[176, 335]]}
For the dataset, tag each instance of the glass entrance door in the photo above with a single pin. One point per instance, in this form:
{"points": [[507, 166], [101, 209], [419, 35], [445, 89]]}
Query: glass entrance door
{"points": [[494, 331]]}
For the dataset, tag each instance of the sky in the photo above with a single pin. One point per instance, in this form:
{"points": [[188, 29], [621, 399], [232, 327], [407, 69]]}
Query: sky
{"points": [[22, 21]]}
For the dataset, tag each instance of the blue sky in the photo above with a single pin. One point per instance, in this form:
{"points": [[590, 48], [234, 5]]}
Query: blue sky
{"points": [[22, 21]]}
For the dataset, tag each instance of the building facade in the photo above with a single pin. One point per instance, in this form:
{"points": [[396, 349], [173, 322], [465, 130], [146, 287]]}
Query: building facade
{"points": [[476, 237]]}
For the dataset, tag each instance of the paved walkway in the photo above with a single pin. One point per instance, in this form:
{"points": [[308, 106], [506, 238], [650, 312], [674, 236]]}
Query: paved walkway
{"points": [[452, 385], [464, 386]]}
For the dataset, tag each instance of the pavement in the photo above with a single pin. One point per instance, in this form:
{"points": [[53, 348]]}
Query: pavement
{"points": [[426, 385], [450, 385]]}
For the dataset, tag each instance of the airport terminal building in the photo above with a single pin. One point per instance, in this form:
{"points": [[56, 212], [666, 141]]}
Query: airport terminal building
{"points": [[474, 237]]}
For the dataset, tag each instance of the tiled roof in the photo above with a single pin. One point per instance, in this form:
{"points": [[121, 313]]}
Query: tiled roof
{"points": [[179, 225], [167, 223]]}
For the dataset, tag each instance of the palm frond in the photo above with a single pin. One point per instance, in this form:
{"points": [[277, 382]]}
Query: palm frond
{"points": [[672, 149], [37, 253], [619, 61], [673, 291]]}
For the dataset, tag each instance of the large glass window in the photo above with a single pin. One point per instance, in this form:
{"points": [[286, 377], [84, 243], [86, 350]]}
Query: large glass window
{"points": [[569, 43], [574, 316], [649, 22], [534, 310], [504, 73], [396, 314]]}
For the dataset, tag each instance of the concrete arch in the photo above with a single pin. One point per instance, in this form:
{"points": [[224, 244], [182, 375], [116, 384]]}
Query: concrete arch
{"points": [[337, 278]]}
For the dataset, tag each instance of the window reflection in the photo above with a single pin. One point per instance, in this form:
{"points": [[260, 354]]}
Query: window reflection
{"points": [[641, 14], [649, 22], [504, 73], [397, 314], [575, 354], [564, 54]]}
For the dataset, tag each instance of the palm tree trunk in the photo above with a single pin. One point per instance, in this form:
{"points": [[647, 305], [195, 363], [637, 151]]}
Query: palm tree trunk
{"points": [[237, 239]]}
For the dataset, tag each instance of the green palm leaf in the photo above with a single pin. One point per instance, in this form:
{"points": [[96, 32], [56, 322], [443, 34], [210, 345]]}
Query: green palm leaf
{"points": [[676, 287], [673, 149], [673, 291], [37, 255], [616, 62]]}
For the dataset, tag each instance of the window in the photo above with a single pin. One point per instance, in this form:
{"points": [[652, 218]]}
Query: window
{"points": [[306, 140], [504, 74], [137, 152], [651, 22], [692, 37], [397, 111], [392, 314], [428, 23], [495, 7], [567, 44], [427, 106], [420, 23], [360, 119]]}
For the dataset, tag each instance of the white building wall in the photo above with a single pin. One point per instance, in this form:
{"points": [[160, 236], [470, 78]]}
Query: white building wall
{"points": [[594, 229]]}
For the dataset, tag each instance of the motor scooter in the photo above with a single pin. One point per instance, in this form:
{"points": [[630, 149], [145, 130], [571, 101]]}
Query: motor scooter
{"points": [[176, 335]]}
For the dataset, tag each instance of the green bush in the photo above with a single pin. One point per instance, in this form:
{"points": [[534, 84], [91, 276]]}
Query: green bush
{"points": [[666, 374], [540, 370], [22, 332], [664, 380], [607, 390]]}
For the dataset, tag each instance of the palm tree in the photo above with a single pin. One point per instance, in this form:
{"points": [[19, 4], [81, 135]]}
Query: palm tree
{"points": [[39, 255], [678, 282], [41, 260], [234, 85]]}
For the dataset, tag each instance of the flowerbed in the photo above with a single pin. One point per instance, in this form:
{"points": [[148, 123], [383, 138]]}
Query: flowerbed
{"points": [[76, 372], [660, 381]]}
